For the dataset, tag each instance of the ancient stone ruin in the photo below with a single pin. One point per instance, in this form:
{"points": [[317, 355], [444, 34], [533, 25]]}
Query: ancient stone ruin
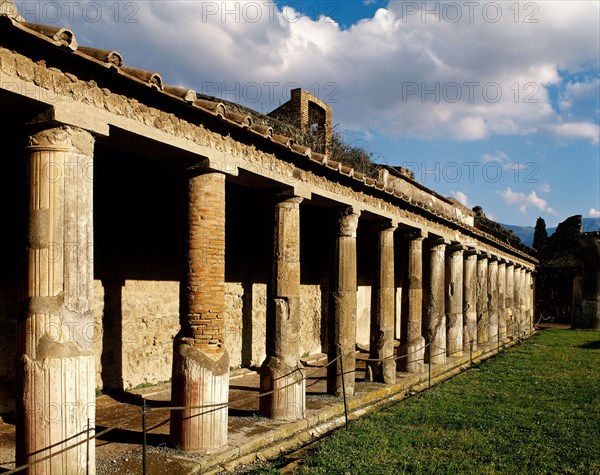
{"points": [[154, 235]]}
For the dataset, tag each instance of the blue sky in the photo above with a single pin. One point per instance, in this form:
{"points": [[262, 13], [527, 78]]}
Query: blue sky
{"points": [[494, 103]]}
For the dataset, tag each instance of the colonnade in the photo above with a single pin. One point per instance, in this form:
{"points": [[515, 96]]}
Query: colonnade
{"points": [[459, 297]]}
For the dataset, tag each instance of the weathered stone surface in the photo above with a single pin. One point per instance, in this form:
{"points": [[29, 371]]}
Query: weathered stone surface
{"points": [[435, 316], [55, 361], [363, 315], [470, 301], [483, 323], [493, 300], [454, 300], [502, 300], [511, 327]]}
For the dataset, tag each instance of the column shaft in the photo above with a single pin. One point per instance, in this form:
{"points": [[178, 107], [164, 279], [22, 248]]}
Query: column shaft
{"points": [[200, 361], [493, 300], [56, 365], [511, 328], [412, 351], [454, 300], [502, 300], [282, 368], [343, 301], [382, 322], [482, 301], [518, 302], [435, 317], [470, 301]]}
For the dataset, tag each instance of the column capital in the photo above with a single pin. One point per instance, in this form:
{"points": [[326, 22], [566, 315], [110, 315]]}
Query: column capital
{"points": [[493, 258], [348, 221], [483, 255], [439, 242], [387, 224], [471, 251], [62, 138], [456, 247], [416, 234], [287, 199]]}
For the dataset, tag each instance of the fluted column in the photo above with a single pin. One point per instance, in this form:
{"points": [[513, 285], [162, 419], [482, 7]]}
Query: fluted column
{"points": [[382, 321], [454, 299], [412, 351], [282, 372], [511, 326], [502, 300], [343, 301], [435, 316], [483, 324], [56, 365], [493, 299], [200, 361]]}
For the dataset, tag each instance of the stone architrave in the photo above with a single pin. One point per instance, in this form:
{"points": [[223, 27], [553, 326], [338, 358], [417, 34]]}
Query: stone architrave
{"points": [[483, 324], [502, 300], [56, 363], [470, 300], [343, 301], [282, 371], [411, 352], [200, 360], [382, 321], [435, 316], [511, 328], [454, 299], [492, 284]]}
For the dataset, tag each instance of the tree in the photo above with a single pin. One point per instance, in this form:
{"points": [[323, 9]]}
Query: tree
{"points": [[540, 235]]}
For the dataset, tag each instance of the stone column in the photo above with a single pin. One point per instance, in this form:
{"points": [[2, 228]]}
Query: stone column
{"points": [[470, 300], [517, 300], [528, 320], [482, 300], [454, 300], [435, 316], [200, 361], [532, 296], [382, 322], [343, 301], [282, 368], [511, 329], [493, 299], [502, 300], [56, 365], [412, 352]]}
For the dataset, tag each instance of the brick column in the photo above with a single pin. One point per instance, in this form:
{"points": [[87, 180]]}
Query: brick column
{"points": [[282, 368], [511, 328], [502, 300], [382, 321], [343, 301], [493, 299], [200, 361], [435, 316], [454, 299], [56, 365], [482, 300], [413, 350], [470, 300]]}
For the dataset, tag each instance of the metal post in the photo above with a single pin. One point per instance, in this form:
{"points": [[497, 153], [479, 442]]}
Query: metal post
{"points": [[343, 385], [498, 341], [143, 436], [429, 363], [471, 351]]}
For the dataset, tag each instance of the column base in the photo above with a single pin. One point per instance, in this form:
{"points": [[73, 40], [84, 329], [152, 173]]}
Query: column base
{"points": [[199, 380], [288, 402], [58, 401], [412, 356]]}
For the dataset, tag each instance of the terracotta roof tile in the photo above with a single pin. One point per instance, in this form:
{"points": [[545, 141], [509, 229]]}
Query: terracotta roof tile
{"points": [[188, 95], [152, 79], [63, 36], [106, 56]]}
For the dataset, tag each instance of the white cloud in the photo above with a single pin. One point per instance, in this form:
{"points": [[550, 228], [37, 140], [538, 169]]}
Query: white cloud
{"points": [[594, 213], [399, 73], [461, 198], [578, 130], [545, 188], [523, 201]]}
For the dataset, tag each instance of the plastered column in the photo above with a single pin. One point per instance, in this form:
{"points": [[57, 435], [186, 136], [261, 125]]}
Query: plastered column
{"points": [[200, 361], [470, 300], [454, 299], [56, 372], [502, 300], [343, 302], [483, 323], [382, 322], [511, 328], [412, 352], [518, 301], [282, 372], [493, 299], [435, 316]]}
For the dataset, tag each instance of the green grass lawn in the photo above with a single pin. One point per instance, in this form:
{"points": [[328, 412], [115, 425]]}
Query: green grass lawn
{"points": [[533, 409]]}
